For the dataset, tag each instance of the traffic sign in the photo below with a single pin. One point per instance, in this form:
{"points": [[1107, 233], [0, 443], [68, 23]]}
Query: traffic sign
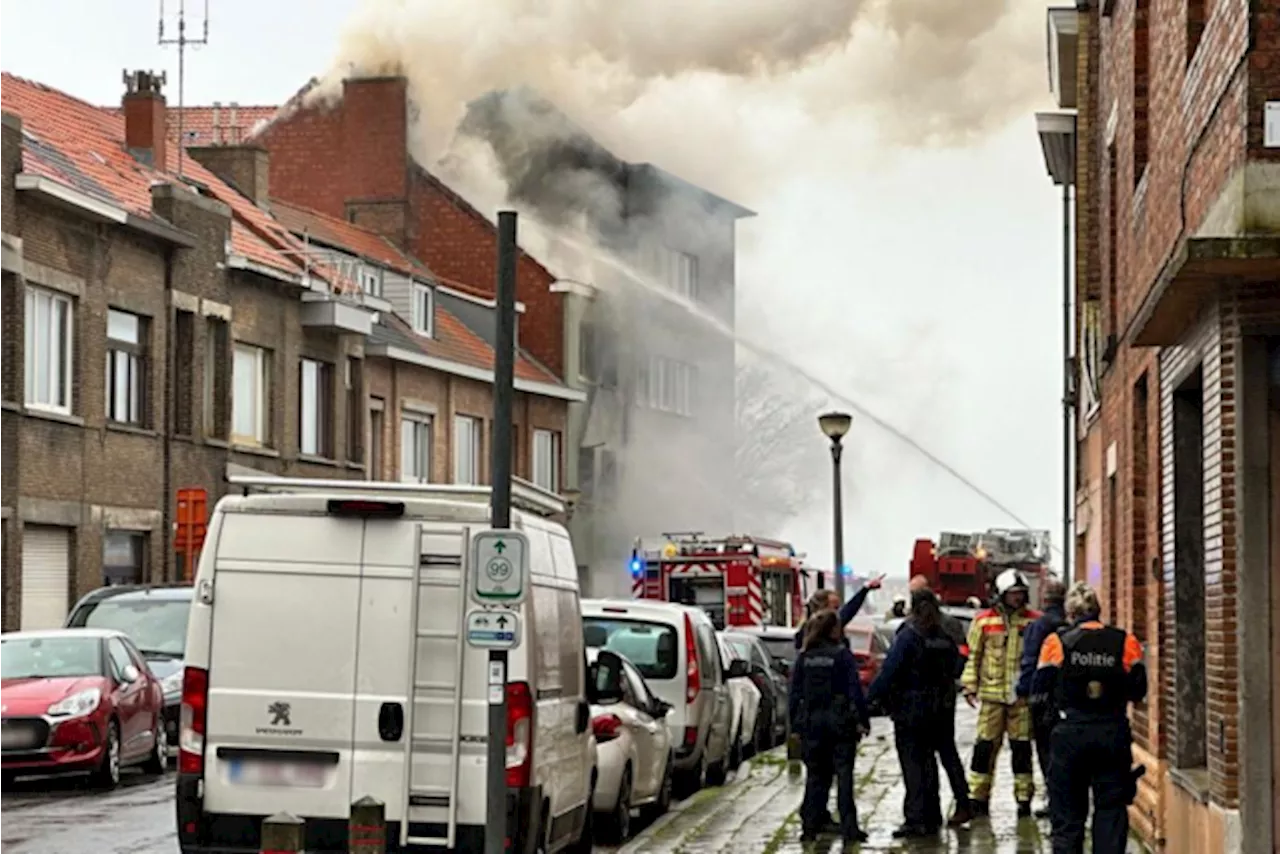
{"points": [[493, 629], [499, 567]]}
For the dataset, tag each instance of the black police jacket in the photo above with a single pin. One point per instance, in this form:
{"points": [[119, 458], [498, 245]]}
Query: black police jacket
{"points": [[916, 683], [826, 700]]}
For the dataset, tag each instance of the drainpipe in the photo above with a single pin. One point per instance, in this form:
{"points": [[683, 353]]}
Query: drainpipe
{"points": [[1068, 398], [166, 512]]}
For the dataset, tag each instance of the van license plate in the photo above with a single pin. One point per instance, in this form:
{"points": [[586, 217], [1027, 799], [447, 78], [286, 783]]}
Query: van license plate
{"points": [[253, 772]]}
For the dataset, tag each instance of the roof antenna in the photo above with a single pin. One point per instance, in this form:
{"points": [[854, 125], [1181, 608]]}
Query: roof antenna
{"points": [[182, 41]]}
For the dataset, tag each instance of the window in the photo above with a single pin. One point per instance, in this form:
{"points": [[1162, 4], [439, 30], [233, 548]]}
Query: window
{"points": [[184, 362], [1190, 731], [777, 598], [466, 449], [1141, 85], [119, 657], [315, 409], [126, 367], [678, 271], [371, 280], [1113, 233], [667, 385], [415, 447], [1138, 504], [1091, 358], [48, 350], [377, 436], [123, 557], [249, 409], [652, 647], [423, 309], [1197, 17], [354, 377], [216, 377], [546, 459], [587, 368]]}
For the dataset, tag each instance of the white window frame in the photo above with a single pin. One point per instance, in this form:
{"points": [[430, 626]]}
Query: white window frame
{"points": [[424, 309], [682, 274], [466, 454], [546, 459], [41, 334], [313, 397], [668, 386], [371, 280], [415, 448], [126, 370], [260, 390]]}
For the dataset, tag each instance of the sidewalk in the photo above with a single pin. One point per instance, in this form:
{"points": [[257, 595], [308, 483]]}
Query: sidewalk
{"points": [[756, 813]]}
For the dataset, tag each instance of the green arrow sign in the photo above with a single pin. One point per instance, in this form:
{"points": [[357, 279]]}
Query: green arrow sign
{"points": [[499, 547]]}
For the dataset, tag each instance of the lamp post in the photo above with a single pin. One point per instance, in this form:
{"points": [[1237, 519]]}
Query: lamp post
{"points": [[1057, 133], [835, 425]]}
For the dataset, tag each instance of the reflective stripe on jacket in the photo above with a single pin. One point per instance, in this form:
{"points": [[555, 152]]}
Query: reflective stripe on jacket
{"points": [[995, 653]]}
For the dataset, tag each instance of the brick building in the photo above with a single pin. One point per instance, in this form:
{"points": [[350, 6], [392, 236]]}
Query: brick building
{"points": [[156, 330], [1178, 390]]}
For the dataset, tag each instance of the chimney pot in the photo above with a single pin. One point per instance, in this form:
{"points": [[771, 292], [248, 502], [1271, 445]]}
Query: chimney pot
{"points": [[146, 117]]}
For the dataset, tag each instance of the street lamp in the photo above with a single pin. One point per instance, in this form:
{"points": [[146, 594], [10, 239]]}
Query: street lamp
{"points": [[834, 426], [1057, 133]]}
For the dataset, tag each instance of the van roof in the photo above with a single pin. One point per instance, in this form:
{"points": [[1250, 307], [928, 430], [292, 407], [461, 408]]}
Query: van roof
{"points": [[640, 608], [456, 509]]}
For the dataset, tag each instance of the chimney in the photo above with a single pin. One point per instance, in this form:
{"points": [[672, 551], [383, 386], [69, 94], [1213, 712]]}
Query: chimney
{"points": [[245, 166], [146, 132]]}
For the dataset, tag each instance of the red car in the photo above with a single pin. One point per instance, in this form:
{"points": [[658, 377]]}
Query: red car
{"points": [[868, 648], [78, 700]]}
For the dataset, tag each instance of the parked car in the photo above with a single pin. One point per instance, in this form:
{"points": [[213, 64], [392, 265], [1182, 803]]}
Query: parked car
{"points": [[635, 763], [674, 647], [328, 660], [78, 700], [867, 642], [771, 722], [746, 702], [155, 619]]}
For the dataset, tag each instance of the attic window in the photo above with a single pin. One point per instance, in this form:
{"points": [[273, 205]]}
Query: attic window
{"points": [[423, 309], [371, 280]]}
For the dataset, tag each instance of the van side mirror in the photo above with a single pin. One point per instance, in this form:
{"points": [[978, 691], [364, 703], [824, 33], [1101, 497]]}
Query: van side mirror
{"points": [[606, 679], [738, 669]]}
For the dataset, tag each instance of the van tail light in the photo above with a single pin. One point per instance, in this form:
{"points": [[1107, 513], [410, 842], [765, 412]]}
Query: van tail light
{"points": [[693, 675], [192, 720], [365, 508], [519, 734], [690, 737], [606, 727]]}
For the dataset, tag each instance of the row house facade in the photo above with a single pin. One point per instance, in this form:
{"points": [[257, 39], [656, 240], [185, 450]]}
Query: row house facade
{"points": [[1177, 297], [163, 329], [648, 442]]}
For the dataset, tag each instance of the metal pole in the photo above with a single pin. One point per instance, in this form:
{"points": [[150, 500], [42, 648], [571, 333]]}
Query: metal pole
{"points": [[500, 476], [837, 502], [1068, 423]]}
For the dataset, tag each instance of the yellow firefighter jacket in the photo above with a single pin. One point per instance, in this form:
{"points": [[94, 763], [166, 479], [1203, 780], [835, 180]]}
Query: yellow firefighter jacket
{"points": [[995, 653]]}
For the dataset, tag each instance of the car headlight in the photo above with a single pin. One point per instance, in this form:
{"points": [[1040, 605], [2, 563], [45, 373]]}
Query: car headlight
{"points": [[172, 684], [81, 703]]}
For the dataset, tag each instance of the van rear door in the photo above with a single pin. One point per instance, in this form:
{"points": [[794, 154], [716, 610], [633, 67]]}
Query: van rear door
{"points": [[282, 664]]}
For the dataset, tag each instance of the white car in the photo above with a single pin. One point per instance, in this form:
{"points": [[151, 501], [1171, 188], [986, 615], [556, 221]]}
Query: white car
{"points": [[634, 761], [746, 703], [327, 658]]}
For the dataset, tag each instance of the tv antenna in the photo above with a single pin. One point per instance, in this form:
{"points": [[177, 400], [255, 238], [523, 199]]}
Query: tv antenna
{"points": [[182, 41]]}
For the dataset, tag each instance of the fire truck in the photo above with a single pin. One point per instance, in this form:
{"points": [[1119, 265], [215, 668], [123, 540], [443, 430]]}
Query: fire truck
{"points": [[737, 580], [961, 567]]}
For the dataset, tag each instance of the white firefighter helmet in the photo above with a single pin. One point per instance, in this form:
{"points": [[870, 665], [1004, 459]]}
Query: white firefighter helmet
{"points": [[900, 599], [1009, 581]]}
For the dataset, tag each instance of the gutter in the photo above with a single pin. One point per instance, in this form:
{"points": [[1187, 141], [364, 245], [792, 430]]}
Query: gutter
{"points": [[99, 209], [485, 375], [240, 262]]}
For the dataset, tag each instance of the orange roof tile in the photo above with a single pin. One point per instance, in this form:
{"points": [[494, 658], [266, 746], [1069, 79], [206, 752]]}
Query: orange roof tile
{"points": [[77, 144], [341, 234], [198, 123], [454, 341]]}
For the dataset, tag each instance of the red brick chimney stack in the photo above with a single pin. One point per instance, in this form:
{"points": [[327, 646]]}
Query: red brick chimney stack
{"points": [[146, 130]]}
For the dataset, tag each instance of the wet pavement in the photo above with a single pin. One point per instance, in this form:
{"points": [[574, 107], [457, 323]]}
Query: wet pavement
{"points": [[754, 813]]}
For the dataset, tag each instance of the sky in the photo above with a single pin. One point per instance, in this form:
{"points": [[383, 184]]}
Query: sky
{"points": [[907, 247]]}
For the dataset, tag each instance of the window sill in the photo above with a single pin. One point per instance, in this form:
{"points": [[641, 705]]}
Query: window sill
{"points": [[316, 459], [1194, 781], [131, 429], [52, 415], [256, 450], [216, 442], [354, 465], [10, 406]]}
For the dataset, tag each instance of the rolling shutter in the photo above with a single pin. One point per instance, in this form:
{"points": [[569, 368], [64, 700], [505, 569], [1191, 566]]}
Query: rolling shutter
{"points": [[46, 553]]}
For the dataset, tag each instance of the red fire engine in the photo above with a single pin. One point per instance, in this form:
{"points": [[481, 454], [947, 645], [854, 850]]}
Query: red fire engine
{"points": [[964, 566], [738, 580]]}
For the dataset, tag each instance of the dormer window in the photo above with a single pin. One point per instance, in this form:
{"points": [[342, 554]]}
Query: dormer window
{"points": [[371, 280], [423, 309]]}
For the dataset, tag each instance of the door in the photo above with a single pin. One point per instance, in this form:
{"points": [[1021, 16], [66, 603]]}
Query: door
{"points": [[714, 681], [282, 661], [644, 732], [130, 701], [46, 576]]}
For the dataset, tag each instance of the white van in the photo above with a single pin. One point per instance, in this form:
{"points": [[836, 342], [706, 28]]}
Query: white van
{"points": [[676, 650], [326, 661]]}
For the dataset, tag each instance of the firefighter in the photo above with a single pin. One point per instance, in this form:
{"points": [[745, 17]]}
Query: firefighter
{"points": [[990, 675], [917, 684], [828, 710], [829, 600], [1094, 671], [1043, 713]]}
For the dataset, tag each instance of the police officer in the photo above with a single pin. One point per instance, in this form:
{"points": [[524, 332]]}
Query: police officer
{"points": [[829, 712], [829, 600], [1094, 671], [917, 685], [1043, 713]]}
